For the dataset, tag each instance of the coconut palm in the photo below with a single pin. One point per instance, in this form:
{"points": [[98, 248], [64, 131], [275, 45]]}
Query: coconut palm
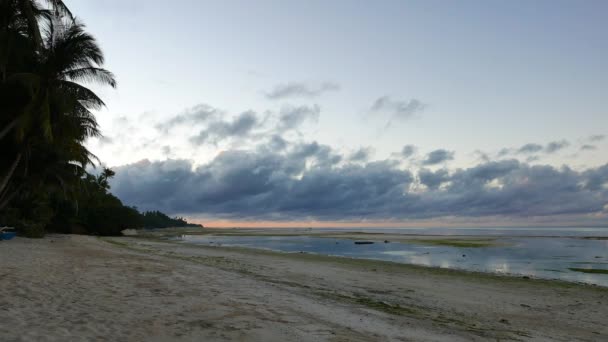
{"points": [[51, 118]]}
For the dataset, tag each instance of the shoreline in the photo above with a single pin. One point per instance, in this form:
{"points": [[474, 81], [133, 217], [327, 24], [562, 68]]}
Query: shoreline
{"points": [[498, 276], [451, 241], [147, 289]]}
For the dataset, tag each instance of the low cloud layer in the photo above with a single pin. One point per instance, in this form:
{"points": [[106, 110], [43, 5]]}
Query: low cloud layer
{"points": [[437, 157], [312, 181]]}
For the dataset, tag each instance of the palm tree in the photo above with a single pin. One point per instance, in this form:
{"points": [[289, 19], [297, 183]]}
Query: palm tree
{"points": [[19, 23], [53, 119]]}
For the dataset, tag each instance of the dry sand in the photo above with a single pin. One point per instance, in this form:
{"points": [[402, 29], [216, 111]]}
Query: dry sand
{"points": [[80, 288]]}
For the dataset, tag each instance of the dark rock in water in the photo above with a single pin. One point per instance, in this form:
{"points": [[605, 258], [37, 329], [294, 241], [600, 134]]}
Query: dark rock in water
{"points": [[386, 241], [526, 277], [364, 242], [464, 255]]}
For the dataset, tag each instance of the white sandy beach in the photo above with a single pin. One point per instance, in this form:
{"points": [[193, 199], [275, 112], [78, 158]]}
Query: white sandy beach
{"points": [[82, 288]]}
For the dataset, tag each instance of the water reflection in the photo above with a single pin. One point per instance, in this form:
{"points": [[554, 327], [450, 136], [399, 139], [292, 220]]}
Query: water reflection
{"points": [[546, 257]]}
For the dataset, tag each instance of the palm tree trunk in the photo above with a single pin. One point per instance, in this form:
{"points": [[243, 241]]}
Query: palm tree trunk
{"points": [[8, 199], [8, 128], [10, 173]]}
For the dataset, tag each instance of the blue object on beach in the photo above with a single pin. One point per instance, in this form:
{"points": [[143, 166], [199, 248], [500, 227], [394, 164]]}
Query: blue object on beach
{"points": [[7, 235]]}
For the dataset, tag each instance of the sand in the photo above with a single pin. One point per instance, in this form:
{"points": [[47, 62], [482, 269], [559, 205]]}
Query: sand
{"points": [[81, 288]]}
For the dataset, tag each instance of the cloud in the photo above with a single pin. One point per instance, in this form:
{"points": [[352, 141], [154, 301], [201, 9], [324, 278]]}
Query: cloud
{"points": [[209, 125], [408, 151], [320, 155], [306, 182], [397, 110], [555, 146], [437, 157], [534, 148], [299, 89], [292, 117], [588, 147], [361, 155], [482, 156], [597, 137], [530, 148], [504, 152], [219, 130], [433, 180], [105, 140], [196, 115], [277, 143]]}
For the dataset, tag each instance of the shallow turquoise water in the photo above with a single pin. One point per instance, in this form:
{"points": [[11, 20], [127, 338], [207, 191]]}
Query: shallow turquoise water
{"points": [[544, 257]]}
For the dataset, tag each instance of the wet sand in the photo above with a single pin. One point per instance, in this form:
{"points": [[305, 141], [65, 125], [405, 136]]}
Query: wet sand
{"points": [[82, 288]]}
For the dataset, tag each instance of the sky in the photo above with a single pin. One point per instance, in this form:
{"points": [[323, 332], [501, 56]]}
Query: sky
{"points": [[385, 113]]}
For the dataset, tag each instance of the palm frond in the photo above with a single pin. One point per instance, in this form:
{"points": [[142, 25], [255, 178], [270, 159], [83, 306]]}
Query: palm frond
{"points": [[73, 48], [90, 74], [84, 95], [61, 8]]}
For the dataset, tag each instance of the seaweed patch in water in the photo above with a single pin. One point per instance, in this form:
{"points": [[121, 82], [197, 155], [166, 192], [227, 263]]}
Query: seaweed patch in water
{"points": [[588, 270]]}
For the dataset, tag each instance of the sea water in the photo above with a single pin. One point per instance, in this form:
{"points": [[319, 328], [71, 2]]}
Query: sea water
{"points": [[549, 253]]}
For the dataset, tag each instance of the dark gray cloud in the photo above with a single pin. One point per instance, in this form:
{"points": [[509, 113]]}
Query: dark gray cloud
{"points": [[361, 155], [437, 157], [555, 146], [299, 89], [292, 117], [219, 130], [268, 185], [408, 151], [433, 180], [588, 147], [398, 110], [532, 159], [277, 143], [322, 155], [530, 148]]}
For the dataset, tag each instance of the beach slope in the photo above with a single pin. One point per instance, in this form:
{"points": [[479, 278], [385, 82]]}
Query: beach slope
{"points": [[83, 288]]}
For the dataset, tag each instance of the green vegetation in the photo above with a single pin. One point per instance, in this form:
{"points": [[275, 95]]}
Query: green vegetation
{"points": [[45, 118], [156, 219], [589, 270]]}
